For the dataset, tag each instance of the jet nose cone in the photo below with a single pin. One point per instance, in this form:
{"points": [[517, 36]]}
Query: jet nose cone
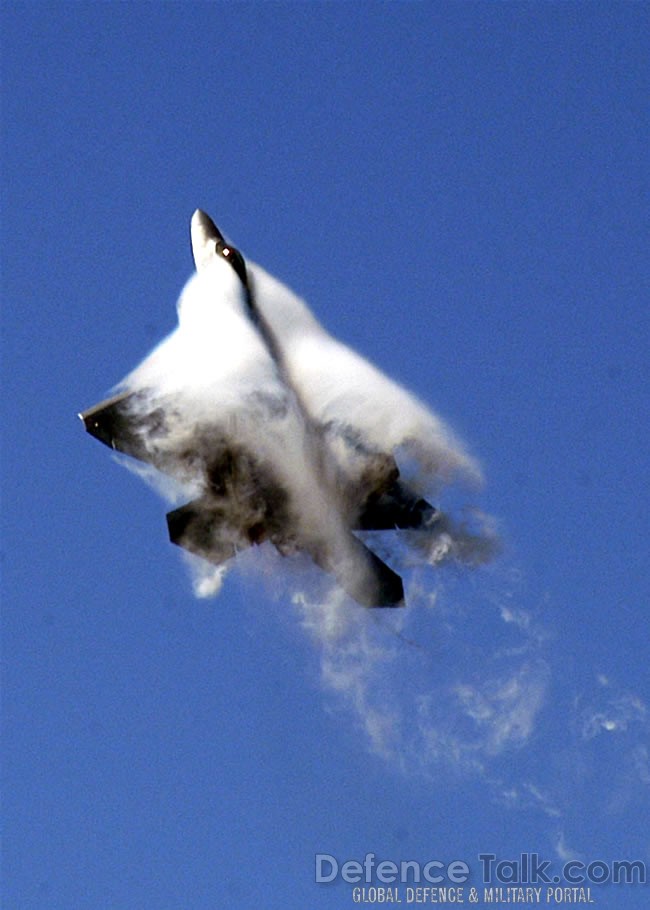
{"points": [[204, 235], [202, 221]]}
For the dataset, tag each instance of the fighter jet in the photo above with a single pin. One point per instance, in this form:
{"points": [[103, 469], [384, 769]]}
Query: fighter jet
{"points": [[213, 408], [277, 430]]}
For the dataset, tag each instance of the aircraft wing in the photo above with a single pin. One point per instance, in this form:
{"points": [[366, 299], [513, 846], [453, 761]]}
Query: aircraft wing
{"points": [[112, 422]]}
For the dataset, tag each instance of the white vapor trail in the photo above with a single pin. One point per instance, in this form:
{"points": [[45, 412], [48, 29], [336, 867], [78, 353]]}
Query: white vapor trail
{"points": [[423, 686]]}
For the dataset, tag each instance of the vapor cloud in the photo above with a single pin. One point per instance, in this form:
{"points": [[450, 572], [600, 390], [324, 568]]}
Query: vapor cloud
{"points": [[314, 428], [250, 396], [423, 686]]}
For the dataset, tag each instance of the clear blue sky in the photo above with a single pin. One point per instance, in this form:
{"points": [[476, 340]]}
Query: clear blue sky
{"points": [[461, 191]]}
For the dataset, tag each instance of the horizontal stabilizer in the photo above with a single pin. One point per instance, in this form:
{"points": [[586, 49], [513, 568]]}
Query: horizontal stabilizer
{"points": [[202, 528], [397, 507], [364, 576]]}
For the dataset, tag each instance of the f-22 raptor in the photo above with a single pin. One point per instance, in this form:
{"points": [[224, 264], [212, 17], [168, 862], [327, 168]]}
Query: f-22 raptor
{"points": [[216, 408]]}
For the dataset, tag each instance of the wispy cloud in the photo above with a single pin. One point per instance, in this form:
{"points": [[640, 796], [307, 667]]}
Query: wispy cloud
{"points": [[521, 795], [421, 682], [564, 852], [466, 683], [609, 709], [503, 709]]}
